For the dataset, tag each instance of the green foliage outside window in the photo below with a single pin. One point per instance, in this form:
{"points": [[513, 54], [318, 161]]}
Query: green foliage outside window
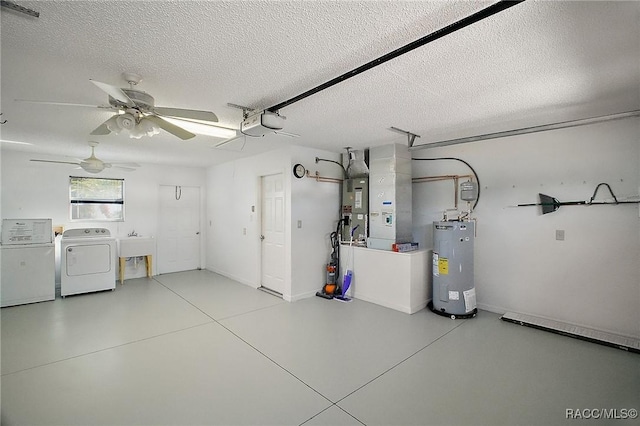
{"points": [[96, 199]]}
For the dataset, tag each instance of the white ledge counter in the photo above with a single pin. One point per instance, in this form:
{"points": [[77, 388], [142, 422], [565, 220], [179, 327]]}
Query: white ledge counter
{"points": [[395, 280]]}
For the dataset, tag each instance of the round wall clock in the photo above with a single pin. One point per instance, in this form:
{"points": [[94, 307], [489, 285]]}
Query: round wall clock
{"points": [[299, 171]]}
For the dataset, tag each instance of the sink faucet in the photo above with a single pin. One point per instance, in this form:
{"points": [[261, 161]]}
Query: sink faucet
{"points": [[132, 234]]}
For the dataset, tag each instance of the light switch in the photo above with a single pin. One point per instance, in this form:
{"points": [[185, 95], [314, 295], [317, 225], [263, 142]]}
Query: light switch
{"points": [[560, 234], [299, 224]]}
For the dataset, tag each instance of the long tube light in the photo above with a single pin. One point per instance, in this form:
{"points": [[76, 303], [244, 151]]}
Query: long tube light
{"points": [[202, 128]]}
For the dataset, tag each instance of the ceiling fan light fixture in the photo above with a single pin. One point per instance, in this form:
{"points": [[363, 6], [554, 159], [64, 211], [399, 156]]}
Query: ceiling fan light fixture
{"points": [[134, 107], [147, 127], [136, 133], [126, 121], [92, 166], [144, 127], [201, 128]]}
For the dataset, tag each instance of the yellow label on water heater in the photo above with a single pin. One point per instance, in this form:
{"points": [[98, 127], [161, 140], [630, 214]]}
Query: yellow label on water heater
{"points": [[443, 266]]}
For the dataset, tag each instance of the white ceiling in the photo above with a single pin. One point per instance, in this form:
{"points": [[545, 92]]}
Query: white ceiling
{"points": [[538, 62]]}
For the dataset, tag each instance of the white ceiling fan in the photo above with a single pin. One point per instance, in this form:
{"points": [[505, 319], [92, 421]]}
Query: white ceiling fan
{"points": [[94, 164], [136, 112], [257, 124]]}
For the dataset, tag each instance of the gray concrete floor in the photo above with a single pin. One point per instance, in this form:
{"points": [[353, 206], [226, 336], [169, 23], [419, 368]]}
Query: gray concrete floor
{"points": [[198, 348]]}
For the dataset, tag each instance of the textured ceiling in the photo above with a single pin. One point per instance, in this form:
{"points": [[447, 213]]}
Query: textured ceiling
{"points": [[538, 62]]}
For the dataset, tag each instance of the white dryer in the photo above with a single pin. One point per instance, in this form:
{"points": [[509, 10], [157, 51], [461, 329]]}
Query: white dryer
{"points": [[87, 261]]}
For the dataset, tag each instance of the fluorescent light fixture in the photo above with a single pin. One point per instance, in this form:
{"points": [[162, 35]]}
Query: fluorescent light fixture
{"points": [[15, 142], [203, 128]]}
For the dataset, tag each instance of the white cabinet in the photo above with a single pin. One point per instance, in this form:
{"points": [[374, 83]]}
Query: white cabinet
{"points": [[395, 280]]}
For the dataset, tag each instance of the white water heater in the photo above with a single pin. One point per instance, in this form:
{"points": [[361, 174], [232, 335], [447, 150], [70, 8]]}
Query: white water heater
{"points": [[454, 292]]}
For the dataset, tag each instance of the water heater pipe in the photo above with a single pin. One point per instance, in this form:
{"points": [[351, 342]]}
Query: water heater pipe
{"points": [[465, 163], [455, 178], [319, 178]]}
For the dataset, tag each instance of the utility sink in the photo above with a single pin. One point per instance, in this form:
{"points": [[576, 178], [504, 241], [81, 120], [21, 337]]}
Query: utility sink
{"points": [[136, 246]]}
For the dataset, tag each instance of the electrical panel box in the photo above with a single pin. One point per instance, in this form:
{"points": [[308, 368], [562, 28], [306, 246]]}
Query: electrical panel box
{"points": [[468, 191], [355, 209]]}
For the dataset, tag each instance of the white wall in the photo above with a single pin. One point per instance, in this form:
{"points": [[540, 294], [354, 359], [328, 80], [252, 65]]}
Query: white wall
{"points": [[37, 190], [592, 278], [233, 214], [317, 206], [233, 247]]}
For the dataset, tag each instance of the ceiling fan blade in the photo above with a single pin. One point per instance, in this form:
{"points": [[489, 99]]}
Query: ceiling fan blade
{"points": [[57, 162], [126, 165], [101, 129], [124, 169], [114, 92], [186, 113], [171, 128], [66, 104]]}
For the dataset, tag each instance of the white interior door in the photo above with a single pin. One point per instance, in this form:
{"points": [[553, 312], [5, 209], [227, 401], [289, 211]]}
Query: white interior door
{"points": [[179, 232], [272, 235]]}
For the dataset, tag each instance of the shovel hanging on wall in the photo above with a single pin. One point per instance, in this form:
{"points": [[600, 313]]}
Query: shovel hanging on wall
{"points": [[550, 204]]}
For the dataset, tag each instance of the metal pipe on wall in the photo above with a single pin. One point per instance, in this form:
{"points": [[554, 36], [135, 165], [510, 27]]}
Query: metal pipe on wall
{"points": [[454, 178], [525, 130], [319, 178]]}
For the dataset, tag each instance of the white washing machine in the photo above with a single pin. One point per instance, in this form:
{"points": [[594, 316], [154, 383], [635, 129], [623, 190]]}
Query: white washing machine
{"points": [[87, 261], [28, 262]]}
